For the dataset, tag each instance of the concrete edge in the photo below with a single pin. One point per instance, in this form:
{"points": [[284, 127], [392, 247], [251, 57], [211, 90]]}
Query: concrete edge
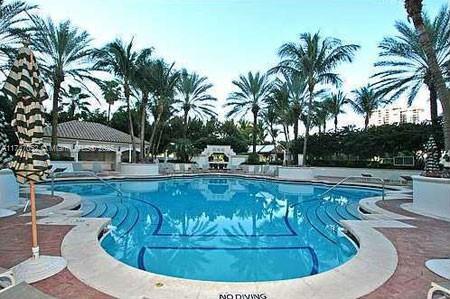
{"points": [[89, 262]]}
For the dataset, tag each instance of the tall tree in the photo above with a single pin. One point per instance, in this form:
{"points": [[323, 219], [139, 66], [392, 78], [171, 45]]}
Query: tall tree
{"points": [[77, 104], [365, 101], [335, 103], [316, 59], [111, 93], [251, 96], [194, 97], [64, 52], [119, 59], [14, 29], [163, 79], [414, 10], [404, 64], [297, 88], [142, 84], [280, 102], [322, 113], [270, 120]]}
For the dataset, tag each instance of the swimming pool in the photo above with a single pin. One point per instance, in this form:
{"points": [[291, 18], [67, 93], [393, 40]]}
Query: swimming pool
{"points": [[224, 228]]}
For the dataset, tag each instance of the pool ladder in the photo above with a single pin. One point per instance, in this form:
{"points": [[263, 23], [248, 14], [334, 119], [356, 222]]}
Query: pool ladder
{"points": [[357, 177], [88, 173]]}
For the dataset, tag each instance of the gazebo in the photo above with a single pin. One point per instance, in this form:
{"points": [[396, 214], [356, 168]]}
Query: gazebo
{"points": [[87, 142]]}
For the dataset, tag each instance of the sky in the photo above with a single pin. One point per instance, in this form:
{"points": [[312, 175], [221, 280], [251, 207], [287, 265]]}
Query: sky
{"points": [[222, 39]]}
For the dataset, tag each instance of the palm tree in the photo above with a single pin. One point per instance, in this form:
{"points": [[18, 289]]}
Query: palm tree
{"points": [[414, 10], [404, 64], [194, 97], [142, 83], [64, 51], [163, 80], [252, 94], [315, 58], [14, 29], [322, 113], [298, 91], [77, 104], [119, 59], [335, 104], [365, 102], [111, 93], [270, 119], [280, 101]]}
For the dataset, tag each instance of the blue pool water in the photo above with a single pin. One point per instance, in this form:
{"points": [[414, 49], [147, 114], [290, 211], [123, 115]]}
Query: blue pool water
{"points": [[224, 228]]}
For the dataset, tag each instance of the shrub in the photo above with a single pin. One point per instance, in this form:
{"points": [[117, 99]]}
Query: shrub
{"points": [[253, 159]]}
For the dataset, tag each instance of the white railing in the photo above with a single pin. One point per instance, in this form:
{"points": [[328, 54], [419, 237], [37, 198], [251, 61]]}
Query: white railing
{"points": [[356, 177], [83, 172]]}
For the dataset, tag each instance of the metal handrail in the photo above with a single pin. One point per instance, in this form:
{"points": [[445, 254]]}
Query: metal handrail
{"points": [[91, 173], [356, 177]]}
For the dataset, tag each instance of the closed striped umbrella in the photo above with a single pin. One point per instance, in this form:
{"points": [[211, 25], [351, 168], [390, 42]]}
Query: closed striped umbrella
{"points": [[26, 88], [4, 156], [31, 161]]}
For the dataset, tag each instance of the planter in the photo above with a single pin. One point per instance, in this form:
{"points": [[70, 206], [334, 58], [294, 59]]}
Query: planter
{"points": [[432, 195], [139, 169]]}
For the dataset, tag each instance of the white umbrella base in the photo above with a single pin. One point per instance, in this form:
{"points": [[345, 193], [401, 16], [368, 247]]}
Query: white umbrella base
{"points": [[6, 213], [36, 269]]}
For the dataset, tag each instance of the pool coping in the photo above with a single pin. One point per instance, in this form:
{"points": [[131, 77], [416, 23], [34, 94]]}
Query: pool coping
{"points": [[362, 274]]}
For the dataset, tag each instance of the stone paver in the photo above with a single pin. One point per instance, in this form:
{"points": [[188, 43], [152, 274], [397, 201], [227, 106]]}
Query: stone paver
{"points": [[430, 239], [15, 247]]}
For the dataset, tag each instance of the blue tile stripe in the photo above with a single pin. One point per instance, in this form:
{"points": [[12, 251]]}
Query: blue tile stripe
{"points": [[140, 260]]}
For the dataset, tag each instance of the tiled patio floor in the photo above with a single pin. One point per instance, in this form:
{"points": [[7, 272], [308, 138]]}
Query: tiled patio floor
{"points": [[431, 239], [15, 246]]}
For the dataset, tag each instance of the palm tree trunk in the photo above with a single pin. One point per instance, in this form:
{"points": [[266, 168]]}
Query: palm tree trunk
{"points": [[109, 113], [335, 123], [308, 124], [126, 89], [185, 121], [55, 113], [155, 126], [433, 104], [142, 128], [159, 140], [414, 10], [296, 127], [366, 121], [255, 129]]}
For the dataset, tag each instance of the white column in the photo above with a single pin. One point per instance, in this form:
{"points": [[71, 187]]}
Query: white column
{"points": [[129, 153], [118, 159]]}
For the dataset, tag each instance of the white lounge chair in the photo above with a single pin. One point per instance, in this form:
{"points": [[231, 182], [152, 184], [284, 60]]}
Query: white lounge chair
{"points": [[442, 288], [77, 166], [9, 195], [97, 167], [7, 279]]}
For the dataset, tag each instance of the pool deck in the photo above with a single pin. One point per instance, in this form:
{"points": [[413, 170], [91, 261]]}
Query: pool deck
{"points": [[15, 230], [429, 239]]}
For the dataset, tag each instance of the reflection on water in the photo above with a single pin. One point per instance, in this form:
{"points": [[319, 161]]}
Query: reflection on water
{"points": [[224, 229]]}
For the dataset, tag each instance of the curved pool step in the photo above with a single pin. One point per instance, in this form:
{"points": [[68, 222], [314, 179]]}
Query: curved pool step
{"points": [[130, 221], [319, 225], [87, 207]]}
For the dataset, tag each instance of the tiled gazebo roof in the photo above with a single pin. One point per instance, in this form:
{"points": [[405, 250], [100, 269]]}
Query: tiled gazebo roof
{"points": [[83, 130]]}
